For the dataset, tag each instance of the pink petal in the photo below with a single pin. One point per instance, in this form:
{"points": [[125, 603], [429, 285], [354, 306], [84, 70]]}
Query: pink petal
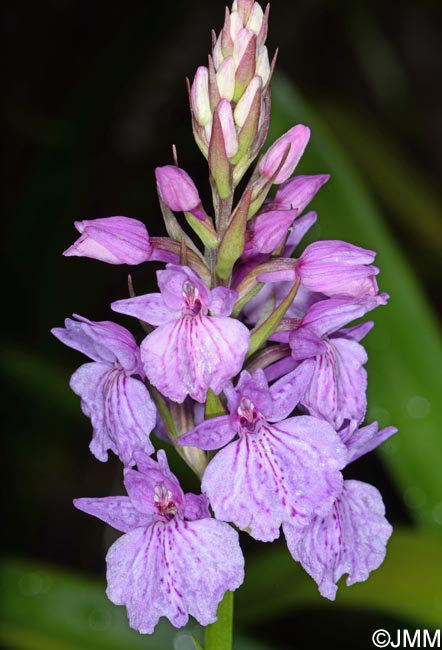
{"points": [[118, 512], [350, 539], [210, 434], [150, 308]]}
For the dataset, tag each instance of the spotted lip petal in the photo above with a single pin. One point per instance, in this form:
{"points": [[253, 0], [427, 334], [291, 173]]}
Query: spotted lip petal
{"points": [[188, 356], [175, 569], [350, 539], [174, 560], [277, 473]]}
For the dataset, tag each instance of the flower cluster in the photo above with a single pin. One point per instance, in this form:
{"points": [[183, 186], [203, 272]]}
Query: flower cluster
{"points": [[251, 367]]}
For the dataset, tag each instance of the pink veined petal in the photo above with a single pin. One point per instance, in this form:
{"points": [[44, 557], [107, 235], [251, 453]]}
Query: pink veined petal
{"points": [[210, 434], [337, 390], [193, 354], [288, 391], [88, 382], [284, 472], [130, 415], [173, 570], [280, 368], [118, 512], [150, 308], [350, 539]]}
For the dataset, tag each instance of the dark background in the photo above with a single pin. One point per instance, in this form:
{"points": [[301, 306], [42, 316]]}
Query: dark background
{"points": [[94, 97]]}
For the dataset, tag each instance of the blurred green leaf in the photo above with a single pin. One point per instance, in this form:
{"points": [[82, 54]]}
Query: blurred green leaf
{"points": [[38, 377], [408, 584], [44, 608], [402, 187], [405, 367]]}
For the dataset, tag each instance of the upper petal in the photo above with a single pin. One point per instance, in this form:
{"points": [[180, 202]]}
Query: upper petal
{"points": [[173, 570], [351, 539]]}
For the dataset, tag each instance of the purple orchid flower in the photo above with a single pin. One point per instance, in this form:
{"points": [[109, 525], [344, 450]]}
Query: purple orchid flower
{"points": [[119, 404], [337, 390], [196, 346], [352, 537], [174, 560], [278, 470], [115, 240]]}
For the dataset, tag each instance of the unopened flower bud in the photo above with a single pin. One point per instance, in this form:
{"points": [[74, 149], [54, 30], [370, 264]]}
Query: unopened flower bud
{"points": [[225, 78], [176, 189], [297, 192], [115, 240], [224, 111], [256, 15], [296, 140], [199, 97], [263, 65], [243, 106], [241, 42]]}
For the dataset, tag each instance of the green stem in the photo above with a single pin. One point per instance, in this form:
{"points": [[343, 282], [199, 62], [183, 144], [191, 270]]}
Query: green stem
{"points": [[218, 636]]}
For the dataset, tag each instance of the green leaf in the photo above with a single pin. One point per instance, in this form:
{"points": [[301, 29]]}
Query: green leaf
{"points": [[218, 635], [405, 353], [408, 584], [260, 335], [44, 608]]}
